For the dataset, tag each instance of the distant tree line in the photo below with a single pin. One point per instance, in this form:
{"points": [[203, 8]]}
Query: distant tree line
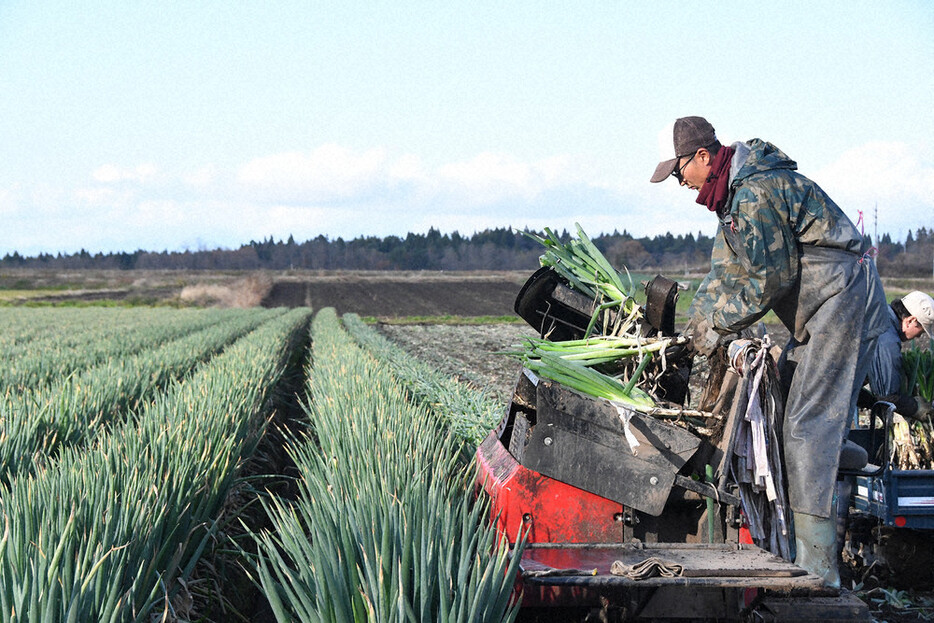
{"points": [[492, 249], [912, 258]]}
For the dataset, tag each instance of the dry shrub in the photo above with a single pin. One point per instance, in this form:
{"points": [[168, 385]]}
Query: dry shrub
{"points": [[247, 292]]}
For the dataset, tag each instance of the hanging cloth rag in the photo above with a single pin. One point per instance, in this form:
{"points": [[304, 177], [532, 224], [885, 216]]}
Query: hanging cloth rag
{"points": [[757, 458]]}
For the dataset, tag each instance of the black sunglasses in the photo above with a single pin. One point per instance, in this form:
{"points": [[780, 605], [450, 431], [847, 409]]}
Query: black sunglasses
{"points": [[678, 173]]}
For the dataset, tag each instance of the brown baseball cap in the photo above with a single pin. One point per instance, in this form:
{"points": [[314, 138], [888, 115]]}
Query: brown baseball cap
{"points": [[690, 134]]}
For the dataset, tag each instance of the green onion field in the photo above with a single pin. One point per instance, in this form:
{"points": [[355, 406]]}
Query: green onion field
{"points": [[161, 464]]}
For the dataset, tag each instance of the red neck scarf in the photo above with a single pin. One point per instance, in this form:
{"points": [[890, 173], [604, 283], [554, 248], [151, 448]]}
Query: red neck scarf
{"points": [[716, 188]]}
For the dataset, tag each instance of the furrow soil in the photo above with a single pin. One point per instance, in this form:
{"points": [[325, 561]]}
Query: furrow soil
{"points": [[472, 353]]}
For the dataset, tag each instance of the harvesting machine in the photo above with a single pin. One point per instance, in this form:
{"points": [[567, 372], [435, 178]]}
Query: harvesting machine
{"points": [[635, 517]]}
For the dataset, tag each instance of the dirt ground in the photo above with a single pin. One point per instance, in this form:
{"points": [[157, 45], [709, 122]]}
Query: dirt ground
{"points": [[367, 293], [473, 353], [402, 294]]}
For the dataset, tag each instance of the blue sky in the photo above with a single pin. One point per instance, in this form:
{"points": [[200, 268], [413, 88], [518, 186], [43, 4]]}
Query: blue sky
{"points": [[203, 124]]}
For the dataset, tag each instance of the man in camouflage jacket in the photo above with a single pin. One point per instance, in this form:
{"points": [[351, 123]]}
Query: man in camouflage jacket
{"points": [[784, 245]]}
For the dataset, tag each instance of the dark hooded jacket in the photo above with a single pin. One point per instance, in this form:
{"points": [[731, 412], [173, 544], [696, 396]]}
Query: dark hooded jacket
{"points": [[885, 370]]}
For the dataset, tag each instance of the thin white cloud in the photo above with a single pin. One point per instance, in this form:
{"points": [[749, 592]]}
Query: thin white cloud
{"points": [[102, 196], [329, 172], [490, 178], [202, 177], [44, 202], [666, 147], [111, 173], [163, 213], [408, 168], [9, 201], [884, 180], [882, 170], [332, 172]]}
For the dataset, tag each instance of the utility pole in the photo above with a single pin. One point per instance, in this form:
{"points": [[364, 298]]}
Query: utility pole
{"points": [[875, 225]]}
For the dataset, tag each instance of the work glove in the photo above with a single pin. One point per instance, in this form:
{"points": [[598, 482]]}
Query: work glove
{"points": [[704, 338], [679, 351], [925, 409]]}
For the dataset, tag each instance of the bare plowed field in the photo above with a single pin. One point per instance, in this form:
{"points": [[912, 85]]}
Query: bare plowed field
{"points": [[367, 293], [402, 294]]}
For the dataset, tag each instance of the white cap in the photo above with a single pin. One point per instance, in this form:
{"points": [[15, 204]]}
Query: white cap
{"points": [[921, 306]]}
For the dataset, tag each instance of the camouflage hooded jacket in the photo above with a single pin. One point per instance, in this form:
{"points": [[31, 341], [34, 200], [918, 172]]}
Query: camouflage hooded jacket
{"points": [[772, 212]]}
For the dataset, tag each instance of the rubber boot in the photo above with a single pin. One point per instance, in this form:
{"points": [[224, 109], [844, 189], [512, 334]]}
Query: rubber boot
{"points": [[816, 546]]}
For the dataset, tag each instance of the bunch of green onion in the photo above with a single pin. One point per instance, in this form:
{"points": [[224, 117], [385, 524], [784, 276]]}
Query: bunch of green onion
{"points": [[918, 372], [581, 264], [572, 363]]}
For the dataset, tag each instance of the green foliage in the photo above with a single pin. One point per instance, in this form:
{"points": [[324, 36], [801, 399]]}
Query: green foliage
{"points": [[580, 364], [470, 413], [105, 532], [36, 421], [901, 605], [501, 248], [918, 372], [45, 344], [585, 269], [385, 527]]}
